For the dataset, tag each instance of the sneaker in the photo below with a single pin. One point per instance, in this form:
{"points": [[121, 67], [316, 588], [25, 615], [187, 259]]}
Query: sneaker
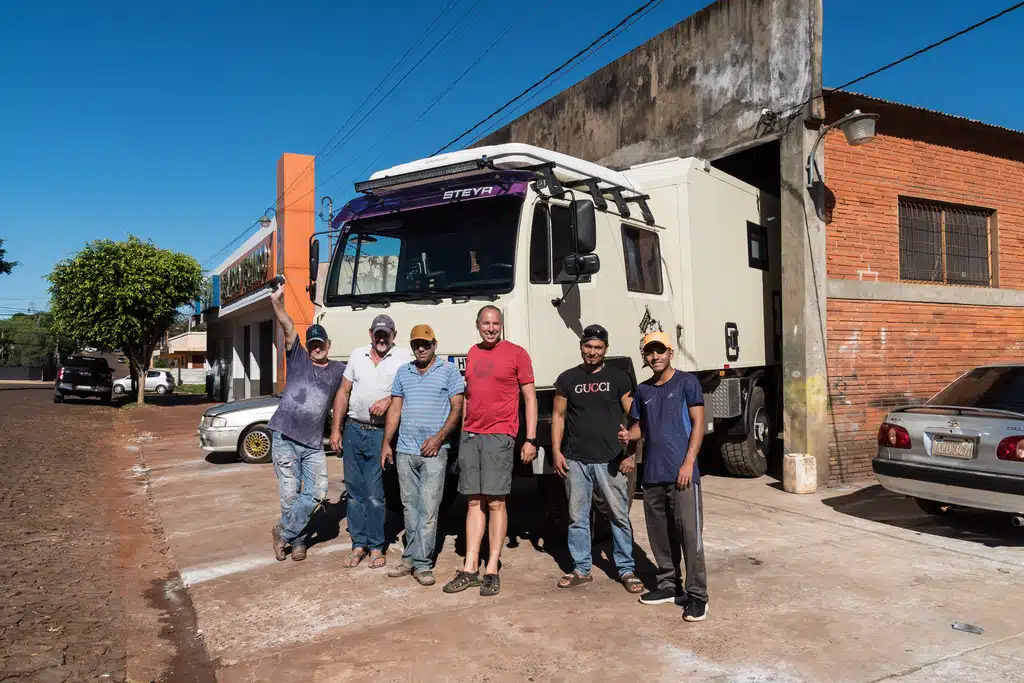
{"points": [[695, 610], [279, 544], [658, 596], [425, 577], [298, 553], [399, 570]]}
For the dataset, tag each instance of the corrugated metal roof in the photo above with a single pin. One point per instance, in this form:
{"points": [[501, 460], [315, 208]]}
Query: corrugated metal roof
{"points": [[829, 91]]}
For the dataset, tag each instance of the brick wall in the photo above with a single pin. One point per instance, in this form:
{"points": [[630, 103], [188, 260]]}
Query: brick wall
{"points": [[882, 354], [886, 353]]}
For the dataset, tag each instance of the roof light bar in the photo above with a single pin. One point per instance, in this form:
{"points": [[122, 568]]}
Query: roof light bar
{"points": [[368, 186]]}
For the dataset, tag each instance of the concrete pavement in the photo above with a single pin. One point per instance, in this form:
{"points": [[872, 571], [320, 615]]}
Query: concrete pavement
{"points": [[849, 585]]}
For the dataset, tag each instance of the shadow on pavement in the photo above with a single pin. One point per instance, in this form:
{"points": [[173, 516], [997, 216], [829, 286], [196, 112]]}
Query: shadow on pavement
{"points": [[168, 400], [223, 458], [876, 504], [37, 387]]}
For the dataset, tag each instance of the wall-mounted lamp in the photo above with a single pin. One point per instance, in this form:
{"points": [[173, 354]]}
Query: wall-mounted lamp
{"points": [[265, 221], [858, 127]]}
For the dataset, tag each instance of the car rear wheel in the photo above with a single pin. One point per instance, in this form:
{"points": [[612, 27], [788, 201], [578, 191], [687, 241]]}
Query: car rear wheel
{"points": [[58, 397], [118, 389], [255, 445], [161, 389], [933, 507]]}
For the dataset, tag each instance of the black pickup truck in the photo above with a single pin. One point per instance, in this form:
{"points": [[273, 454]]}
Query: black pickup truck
{"points": [[83, 376]]}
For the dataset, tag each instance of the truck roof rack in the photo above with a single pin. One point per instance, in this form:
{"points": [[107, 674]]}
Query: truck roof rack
{"points": [[600, 183]]}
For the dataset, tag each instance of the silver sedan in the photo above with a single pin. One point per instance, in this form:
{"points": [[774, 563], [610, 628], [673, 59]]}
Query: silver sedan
{"points": [[964, 447]]}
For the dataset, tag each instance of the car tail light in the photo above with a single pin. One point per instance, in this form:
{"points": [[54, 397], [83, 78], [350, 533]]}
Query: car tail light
{"points": [[60, 375], [893, 436], [1011, 448]]}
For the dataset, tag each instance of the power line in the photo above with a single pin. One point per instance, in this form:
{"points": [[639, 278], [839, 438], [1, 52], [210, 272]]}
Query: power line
{"points": [[593, 50], [445, 10], [549, 75], [916, 53], [437, 99]]}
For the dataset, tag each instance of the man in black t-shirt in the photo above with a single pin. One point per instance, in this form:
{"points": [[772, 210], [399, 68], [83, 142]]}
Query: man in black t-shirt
{"points": [[591, 401]]}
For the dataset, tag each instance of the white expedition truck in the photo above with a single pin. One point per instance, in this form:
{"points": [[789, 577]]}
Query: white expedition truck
{"points": [[558, 243]]}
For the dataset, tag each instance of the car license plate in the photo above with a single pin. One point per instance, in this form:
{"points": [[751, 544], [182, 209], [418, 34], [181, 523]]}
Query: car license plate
{"points": [[953, 448], [459, 361], [84, 387]]}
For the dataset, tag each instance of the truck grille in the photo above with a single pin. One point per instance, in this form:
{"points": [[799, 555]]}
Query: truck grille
{"points": [[725, 401]]}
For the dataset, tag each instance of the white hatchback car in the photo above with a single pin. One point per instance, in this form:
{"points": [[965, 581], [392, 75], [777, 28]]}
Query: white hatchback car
{"points": [[159, 381]]}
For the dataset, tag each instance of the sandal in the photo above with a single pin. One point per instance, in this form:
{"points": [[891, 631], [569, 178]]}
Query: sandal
{"points": [[574, 579], [377, 559], [354, 558], [462, 581], [632, 583], [490, 585]]}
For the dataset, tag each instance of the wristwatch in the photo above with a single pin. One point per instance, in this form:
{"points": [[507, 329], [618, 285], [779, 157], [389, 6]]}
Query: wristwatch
{"points": [[532, 442]]}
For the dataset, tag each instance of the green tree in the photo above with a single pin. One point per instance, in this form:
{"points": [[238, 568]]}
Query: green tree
{"points": [[122, 295], [26, 340], [5, 266]]}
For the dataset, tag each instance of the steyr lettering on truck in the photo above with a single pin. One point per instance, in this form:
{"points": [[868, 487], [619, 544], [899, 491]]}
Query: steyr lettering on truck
{"points": [[469, 192]]}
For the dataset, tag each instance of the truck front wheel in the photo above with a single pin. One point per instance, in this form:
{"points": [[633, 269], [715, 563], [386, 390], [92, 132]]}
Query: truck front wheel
{"points": [[747, 456]]}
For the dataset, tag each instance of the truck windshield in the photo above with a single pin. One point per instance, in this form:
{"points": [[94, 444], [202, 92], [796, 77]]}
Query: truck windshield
{"points": [[463, 248], [996, 388]]}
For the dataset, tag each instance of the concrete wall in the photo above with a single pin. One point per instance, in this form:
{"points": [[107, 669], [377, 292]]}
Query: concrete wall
{"points": [[890, 341], [696, 89]]}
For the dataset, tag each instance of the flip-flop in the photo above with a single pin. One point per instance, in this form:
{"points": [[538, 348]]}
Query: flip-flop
{"points": [[353, 559], [632, 583], [376, 555], [574, 579]]}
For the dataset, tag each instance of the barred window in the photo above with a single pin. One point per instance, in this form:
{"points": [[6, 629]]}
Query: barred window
{"points": [[944, 243]]}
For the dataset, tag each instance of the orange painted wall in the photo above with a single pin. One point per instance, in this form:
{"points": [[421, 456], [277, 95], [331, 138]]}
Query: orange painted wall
{"points": [[296, 223]]}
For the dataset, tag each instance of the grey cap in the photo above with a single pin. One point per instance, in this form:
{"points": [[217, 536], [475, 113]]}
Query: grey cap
{"points": [[383, 323]]}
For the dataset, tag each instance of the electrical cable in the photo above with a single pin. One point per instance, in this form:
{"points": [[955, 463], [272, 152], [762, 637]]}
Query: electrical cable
{"points": [[557, 69]]}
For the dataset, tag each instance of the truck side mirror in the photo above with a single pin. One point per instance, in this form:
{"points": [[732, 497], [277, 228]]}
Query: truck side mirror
{"points": [[314, 260], [585, 219], [578, 265]]}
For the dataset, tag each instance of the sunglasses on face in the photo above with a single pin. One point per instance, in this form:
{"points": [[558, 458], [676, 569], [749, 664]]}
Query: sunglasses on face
{"points": [[419, 344]]}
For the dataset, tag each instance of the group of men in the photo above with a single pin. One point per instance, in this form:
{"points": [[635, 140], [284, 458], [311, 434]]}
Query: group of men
{"points": [[401, 408]]}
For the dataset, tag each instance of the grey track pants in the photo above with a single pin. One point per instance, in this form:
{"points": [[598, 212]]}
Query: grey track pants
{"points": [[675, 525]]}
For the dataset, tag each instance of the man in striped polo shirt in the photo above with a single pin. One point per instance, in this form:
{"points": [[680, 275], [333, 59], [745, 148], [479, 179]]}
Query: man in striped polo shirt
{"points": [[426, 400]]}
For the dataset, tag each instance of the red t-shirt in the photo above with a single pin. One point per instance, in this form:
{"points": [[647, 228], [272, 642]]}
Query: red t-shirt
{"points": [[493, 378]]}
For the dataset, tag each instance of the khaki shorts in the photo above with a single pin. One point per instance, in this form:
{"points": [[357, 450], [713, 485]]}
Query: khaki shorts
{"points": [[485, 464]]}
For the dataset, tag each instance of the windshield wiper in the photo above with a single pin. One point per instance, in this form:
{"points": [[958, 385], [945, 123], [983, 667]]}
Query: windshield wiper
{"points": [[461, 295], [365, 302], [413, 296]]}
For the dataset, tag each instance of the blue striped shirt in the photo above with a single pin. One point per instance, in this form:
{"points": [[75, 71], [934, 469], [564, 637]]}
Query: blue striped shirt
{"points": [[426, 401]]}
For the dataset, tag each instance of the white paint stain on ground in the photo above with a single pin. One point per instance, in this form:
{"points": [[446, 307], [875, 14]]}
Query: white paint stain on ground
{"points": [[197, 575]]}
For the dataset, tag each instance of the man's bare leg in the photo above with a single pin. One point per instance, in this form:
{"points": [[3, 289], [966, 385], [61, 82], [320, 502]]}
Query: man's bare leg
{"points": [[497, 528], [476, 522]]}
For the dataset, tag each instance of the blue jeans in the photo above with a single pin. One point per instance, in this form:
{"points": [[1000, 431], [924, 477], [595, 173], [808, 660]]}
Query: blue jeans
{"points": [[302, 483], [364, 484], [422, 483], [611, 484]]}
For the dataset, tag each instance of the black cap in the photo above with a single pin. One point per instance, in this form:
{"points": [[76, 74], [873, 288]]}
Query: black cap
{"points": [[316, 333], [594, 332], [382, 323]]}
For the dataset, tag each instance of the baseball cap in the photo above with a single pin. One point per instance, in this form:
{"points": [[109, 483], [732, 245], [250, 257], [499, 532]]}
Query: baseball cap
{"points": [[594, 333], [656, 338], [422, 332], [383, 322], [316, 333]]}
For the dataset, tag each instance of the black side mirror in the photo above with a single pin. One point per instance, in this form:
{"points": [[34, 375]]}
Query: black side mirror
{"points": [[314, 260], [585, 218], [578, 265]]}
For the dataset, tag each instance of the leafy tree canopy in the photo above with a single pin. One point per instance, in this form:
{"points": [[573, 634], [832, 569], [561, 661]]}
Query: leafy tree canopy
{"points": [[122, 295], [5, 266]]}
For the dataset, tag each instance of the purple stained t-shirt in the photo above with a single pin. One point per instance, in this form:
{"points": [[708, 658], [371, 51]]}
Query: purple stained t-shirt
{"points": [[308, 394], [664, 415]]}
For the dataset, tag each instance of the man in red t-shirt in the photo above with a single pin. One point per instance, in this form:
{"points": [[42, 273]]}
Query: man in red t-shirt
{"points": [[496, 372]]}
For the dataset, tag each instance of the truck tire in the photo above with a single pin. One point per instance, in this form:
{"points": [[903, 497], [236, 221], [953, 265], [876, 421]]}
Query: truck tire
{"points": [[747, 456], [58, 397], [256, 445]]}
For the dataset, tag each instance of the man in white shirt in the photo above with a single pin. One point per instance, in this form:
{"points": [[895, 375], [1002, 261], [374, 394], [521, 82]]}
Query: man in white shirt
{"points": [[364, 399]]}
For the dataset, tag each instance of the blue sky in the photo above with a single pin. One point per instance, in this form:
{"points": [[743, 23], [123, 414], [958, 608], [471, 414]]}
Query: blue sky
{"points": [[166, 119]]}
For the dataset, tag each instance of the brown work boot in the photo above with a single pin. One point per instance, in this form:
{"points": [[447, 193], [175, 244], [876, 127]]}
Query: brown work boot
{"points": [[298, 553], [279, 544]]}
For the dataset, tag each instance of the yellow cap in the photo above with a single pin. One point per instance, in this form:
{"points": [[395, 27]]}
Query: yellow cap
{"points": [[656, 338], [422, 332]]}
